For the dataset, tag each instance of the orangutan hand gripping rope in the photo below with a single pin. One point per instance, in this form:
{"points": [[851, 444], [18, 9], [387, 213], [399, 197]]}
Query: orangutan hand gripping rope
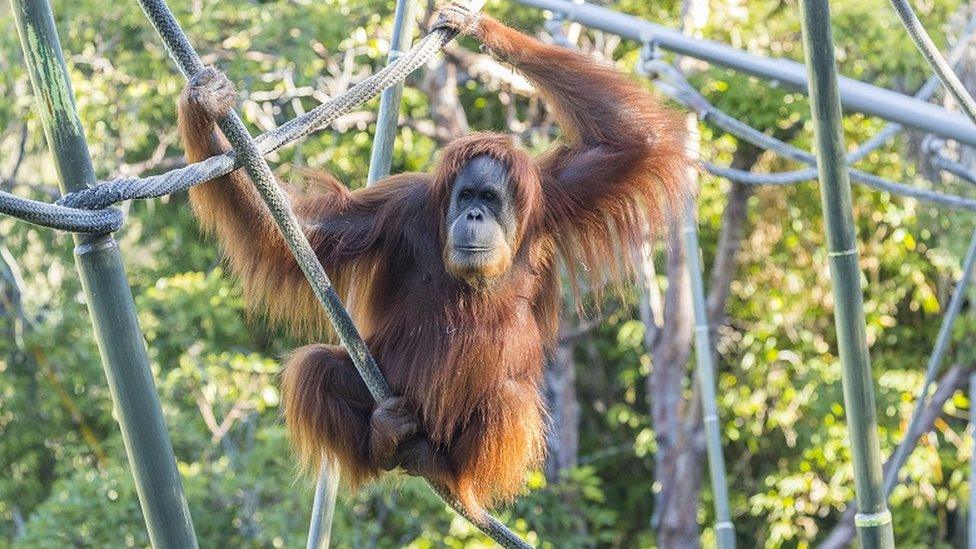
{"points": [[453, 273]]}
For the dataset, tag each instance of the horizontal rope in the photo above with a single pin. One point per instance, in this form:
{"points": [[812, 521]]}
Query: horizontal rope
{"points": [[674, 85], [88, 211], [924, 93], [59, 217]]}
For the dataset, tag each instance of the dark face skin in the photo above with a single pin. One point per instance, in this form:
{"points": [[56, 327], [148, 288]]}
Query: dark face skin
{"points": [[482, 222]]}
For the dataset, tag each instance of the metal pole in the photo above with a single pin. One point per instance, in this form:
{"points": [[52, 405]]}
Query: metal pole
{"points": [[855, 95], [380, 161], [107, 293], [381, 157], [704, 363], [323, 507], [873, 520], [724, 529], [932, 369]]}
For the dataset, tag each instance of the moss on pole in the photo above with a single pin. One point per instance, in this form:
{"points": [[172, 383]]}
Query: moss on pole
{"points": [[107, 293]]}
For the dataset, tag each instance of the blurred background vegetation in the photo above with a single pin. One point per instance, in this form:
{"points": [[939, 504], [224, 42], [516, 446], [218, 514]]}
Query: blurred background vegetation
{"points": [[64, 479]]}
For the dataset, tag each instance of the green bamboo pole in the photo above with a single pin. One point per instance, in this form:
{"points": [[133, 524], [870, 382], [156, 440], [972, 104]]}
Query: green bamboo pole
{"points": [[107, 293], [380, 162], [873, 519], [724, 529], [381, 157], [323, 507], [704, 363]]}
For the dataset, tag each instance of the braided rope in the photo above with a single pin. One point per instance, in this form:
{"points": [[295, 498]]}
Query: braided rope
{"points": [[59, 217], [934, 58], [676, 87], [88, 211], [951, 82], [251, 159], [260, 173], [890, 129]]}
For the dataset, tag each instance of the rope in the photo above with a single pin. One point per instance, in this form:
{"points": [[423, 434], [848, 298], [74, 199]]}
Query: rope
{"points": [[951, 82], [59, 217], [890, 129], [676, 87], [935, 60], [87, 211], [259, 172], [946, 164]]}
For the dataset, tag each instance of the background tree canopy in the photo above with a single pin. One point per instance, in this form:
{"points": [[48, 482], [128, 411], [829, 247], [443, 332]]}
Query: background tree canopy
{"points": [[64, 479]]}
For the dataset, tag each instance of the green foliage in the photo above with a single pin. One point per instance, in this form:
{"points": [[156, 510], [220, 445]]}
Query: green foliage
{"points": [[63, 474]]}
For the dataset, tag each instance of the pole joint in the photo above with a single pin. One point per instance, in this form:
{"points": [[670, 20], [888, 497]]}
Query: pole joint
{"points": [[843, 253], [106, 242], [871, 520]]}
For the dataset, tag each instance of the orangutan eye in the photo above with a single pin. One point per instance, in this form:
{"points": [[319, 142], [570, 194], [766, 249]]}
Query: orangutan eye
{"points": [[489, 196], [466, 194]]}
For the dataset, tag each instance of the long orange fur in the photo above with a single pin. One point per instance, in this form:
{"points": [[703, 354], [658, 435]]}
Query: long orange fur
{"points": [[470, 360]]}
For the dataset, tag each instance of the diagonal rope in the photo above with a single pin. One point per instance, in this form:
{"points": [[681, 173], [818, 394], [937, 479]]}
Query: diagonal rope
{"points": [[676, 87], [951, 82], [890, 129], [260, 174], [87, 211], [934, 58], [297, 128]]}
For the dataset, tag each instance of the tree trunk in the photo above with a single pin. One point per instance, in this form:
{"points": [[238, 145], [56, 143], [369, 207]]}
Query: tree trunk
{"points": [[730, 237], [677, 463], [564, 409], [446, 112]]}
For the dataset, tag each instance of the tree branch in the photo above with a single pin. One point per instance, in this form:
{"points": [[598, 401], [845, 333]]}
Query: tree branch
{"points": [[954, 379]]}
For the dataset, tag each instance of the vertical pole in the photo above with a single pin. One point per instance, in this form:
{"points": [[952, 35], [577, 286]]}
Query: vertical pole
{"points": [[724, 529], [380, 161], [381, 157], [107, 293], [972, 462], [692, 20], [873, 520], [323, 507]]}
